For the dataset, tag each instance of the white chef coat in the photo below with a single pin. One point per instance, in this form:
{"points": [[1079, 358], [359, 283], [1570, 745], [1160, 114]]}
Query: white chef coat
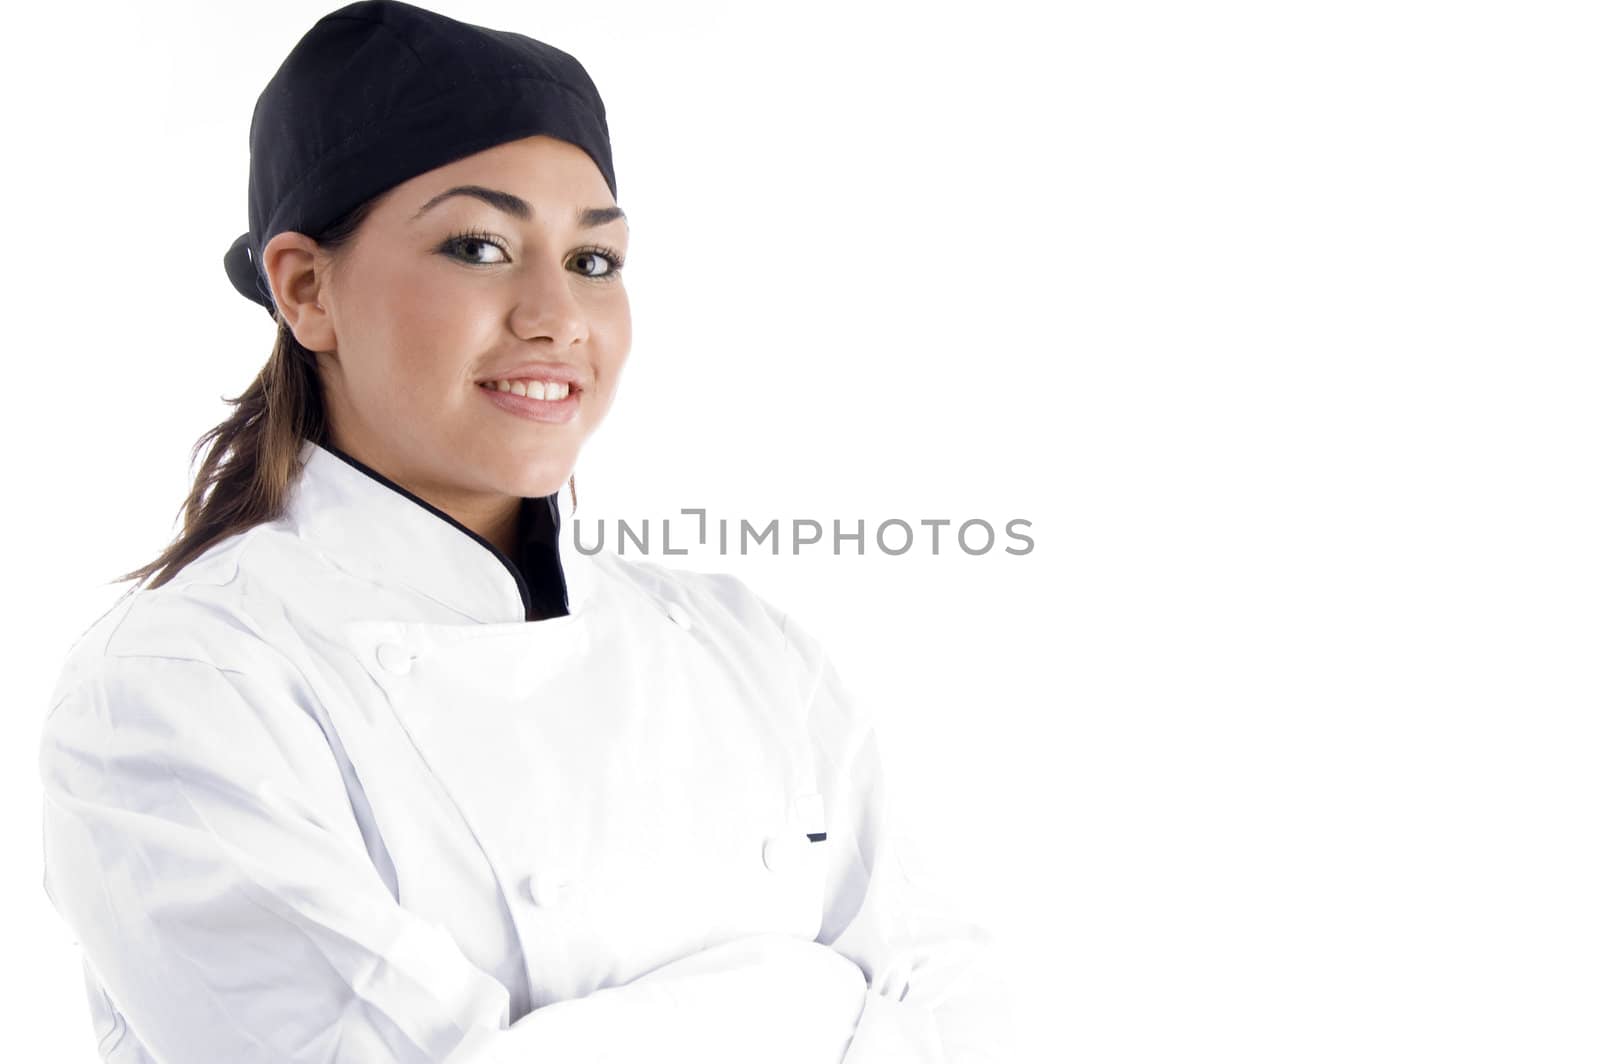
{"points": [[330, 795]]}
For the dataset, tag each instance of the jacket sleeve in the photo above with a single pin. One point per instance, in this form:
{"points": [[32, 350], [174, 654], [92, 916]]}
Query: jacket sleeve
{"points": [[936, 993], [201, 844]]}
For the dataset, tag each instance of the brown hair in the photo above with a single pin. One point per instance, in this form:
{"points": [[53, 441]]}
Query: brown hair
{"points": [[253, 457]]}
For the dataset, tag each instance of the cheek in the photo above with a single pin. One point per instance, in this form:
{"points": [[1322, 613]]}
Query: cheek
{"points": [[618, 339], [405, 293], [419, 337]]}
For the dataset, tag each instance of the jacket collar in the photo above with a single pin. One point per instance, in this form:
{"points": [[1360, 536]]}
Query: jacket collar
{"points": [[370, 524]]}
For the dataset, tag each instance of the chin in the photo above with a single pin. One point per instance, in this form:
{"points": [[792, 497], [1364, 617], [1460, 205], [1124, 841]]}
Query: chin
{"points": [[550, 490], [523, 471], [546, 482]]}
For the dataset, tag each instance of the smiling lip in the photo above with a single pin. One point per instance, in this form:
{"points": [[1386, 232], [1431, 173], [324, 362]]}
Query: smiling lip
{"points": [[557, 410], [540, 371]]}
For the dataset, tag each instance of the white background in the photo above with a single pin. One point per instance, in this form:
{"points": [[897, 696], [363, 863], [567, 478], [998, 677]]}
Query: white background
{"points": [[1277, 322]]}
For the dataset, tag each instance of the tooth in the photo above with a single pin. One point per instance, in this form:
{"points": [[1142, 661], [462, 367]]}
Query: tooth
{"points": [[504, 386], [519, 388], [536, 389]]}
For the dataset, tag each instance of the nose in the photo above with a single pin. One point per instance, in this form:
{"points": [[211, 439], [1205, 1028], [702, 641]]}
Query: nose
{"points": [[547, 306]]}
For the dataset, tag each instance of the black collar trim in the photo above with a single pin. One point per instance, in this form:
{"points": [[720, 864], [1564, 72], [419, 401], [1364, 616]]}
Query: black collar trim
{"points": [[538, 530]]}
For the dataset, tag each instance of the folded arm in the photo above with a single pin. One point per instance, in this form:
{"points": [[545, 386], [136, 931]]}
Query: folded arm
{"points": [[199, 840], [936, 994]]}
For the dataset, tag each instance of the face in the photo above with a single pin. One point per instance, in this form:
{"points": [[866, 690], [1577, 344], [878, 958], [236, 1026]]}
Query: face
{"points": [[439, 292]]}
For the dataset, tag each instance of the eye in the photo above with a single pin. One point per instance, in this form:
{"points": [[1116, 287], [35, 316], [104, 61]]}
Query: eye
{"points": [[608, 256], [473, 239]]}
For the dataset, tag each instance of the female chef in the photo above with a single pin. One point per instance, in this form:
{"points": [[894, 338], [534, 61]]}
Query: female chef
{"points": [[377, 766]]}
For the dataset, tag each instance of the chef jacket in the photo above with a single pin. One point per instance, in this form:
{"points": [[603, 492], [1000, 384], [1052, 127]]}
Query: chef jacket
{"points": [[357, 786]]}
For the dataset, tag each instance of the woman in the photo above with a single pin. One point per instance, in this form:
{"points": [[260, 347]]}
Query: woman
{"points": [[378, 766]]}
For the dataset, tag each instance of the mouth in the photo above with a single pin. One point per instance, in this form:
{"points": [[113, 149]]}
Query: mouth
{"points": [[556, 402], [542, 390]]}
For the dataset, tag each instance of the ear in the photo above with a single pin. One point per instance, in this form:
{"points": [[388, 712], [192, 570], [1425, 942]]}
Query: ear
{"points": [[296, 269]]}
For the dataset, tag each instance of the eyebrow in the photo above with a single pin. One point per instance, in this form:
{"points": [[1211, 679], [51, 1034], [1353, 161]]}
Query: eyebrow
{"points": [[518, 207]]}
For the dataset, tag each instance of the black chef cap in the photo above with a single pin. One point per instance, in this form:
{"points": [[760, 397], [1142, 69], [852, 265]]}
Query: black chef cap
{"points": [[380, 91]]}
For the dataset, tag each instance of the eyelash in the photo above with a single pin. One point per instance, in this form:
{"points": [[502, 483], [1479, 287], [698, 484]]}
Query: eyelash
{"points": [[479, 236]]}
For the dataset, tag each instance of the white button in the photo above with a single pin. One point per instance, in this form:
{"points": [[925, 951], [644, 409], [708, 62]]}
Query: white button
{"points": [[545, 888], [394, 657], [680, 616], [808, 807], [779, 851]]}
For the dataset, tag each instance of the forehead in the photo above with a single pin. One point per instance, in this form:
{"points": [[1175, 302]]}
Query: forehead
{"points": [[531, 167], [520, 209], [536, 180]]}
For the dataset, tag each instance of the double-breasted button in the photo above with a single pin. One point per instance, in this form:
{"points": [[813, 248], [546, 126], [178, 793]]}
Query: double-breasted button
{"points": [[546, 888], [394, 658], [680, 616], [779, 851]]}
